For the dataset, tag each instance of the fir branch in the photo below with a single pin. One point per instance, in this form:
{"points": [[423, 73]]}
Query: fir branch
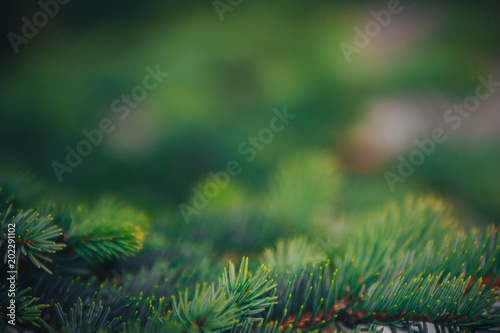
{"points": [[28, 310], [92, 317], [165, 324], [237, 298], [209, 310], [34, 237], [431, 298], [250, 294], [107, 231], [310, 300], [398, 229]]}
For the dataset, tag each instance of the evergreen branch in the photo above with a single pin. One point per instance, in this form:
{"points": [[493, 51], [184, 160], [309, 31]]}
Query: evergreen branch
{"points": [[310, 300], [434, 298], [106, 231], [165, 324], [397, 230], [475, 254], [92, 317], [27, 308], [274, 328], [210, 310], [34, 237], [237, 298], [249, 293]]}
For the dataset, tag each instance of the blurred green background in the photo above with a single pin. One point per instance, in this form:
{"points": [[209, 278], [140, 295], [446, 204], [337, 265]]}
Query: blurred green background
{"points": [[225, 79]]}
